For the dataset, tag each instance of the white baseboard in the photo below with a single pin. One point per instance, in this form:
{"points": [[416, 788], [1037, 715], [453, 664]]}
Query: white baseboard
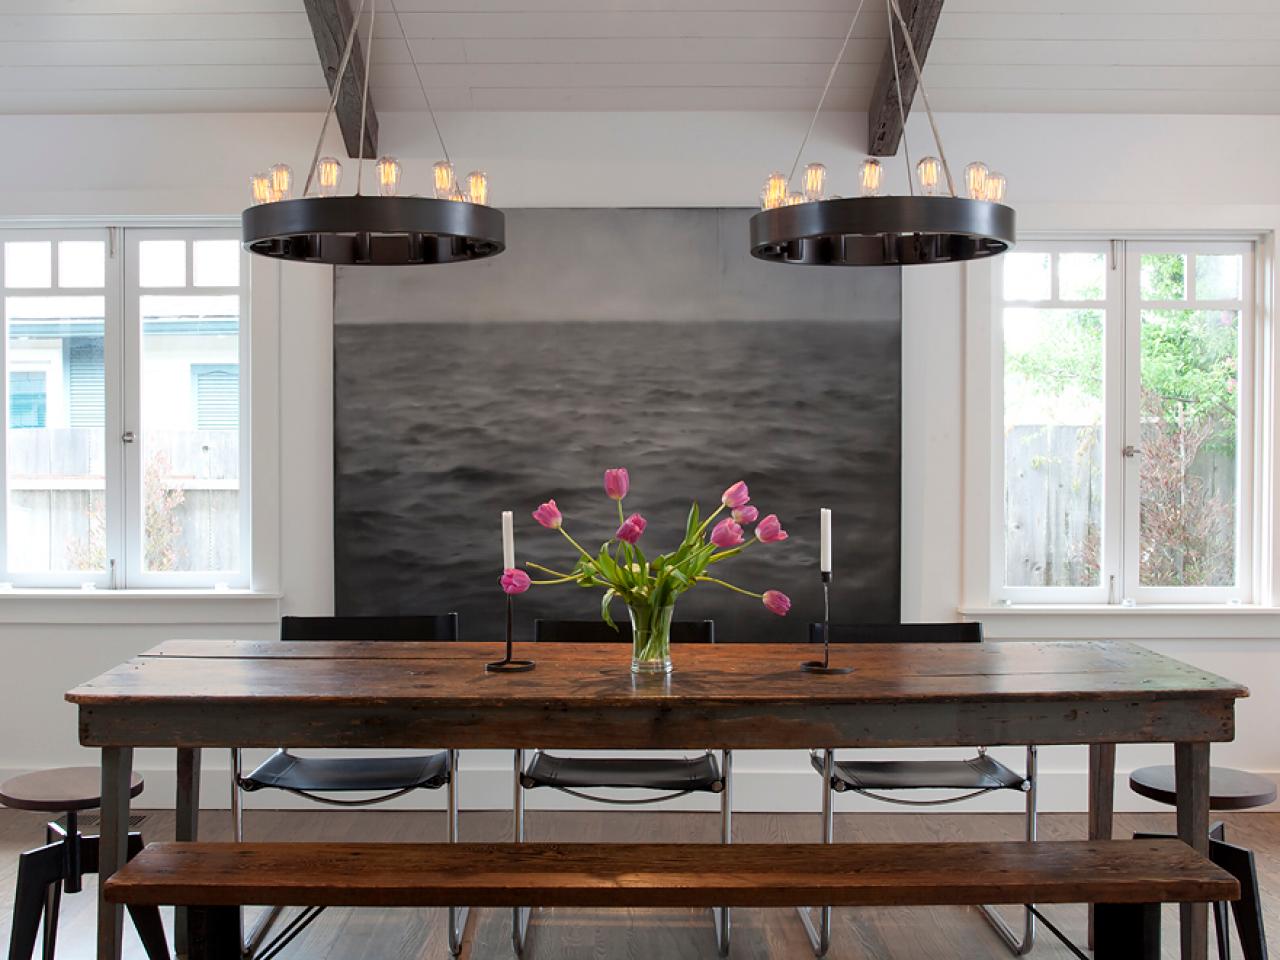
{"points": [[489, 787]]}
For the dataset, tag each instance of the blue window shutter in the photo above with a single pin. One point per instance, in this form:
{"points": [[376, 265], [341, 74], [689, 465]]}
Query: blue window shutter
{"points": [[217, 395], [28, 401], [86, 382]]}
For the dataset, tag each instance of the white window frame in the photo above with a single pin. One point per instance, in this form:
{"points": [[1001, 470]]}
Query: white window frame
{"points": [[984, 307], [122, 370]]}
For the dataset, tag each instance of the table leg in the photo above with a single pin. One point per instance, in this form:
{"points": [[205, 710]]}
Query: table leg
{"points": [[1102, 790], [117, 765], [1191, 773], [186, 828]]}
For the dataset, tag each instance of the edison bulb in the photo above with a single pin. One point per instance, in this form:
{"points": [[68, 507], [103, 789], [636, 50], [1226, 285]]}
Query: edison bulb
{"points": [[281, 181], [975, 180], [871, 176], [793, 198], [328, 176], [928, 172], [478, 187], [775, 190], [445, 180], [815, 181], [260, 188], [996, 186], [457, 195], [388, 176]]}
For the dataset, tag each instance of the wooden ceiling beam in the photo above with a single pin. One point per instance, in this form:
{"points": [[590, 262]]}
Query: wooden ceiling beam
{"points": [[330, 23], [884, 123]]}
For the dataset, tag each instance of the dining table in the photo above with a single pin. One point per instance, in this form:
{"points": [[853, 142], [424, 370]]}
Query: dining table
{"points": [[189, 695]]}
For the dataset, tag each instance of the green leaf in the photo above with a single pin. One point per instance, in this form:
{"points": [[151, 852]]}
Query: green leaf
{"points": [[691, 525], [604, 608]]}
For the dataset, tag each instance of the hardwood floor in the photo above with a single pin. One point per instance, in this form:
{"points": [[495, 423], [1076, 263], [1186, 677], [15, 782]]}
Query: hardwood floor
{"points": [[866, 934]]}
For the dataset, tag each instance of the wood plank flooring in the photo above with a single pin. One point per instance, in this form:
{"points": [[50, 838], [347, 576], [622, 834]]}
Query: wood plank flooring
{"points": [[862, 934]]}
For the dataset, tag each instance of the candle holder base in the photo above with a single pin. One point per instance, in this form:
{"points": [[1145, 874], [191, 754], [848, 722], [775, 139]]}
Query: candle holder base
{"points": [[509, 666], [817, 666]]}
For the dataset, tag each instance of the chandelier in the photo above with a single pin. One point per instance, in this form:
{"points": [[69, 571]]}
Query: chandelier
{"points": [[455, 223], [932, 224]]}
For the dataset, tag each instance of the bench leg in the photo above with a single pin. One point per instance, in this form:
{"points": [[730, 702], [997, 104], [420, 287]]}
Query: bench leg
{"points": [[1126, 931], [213, 933]]}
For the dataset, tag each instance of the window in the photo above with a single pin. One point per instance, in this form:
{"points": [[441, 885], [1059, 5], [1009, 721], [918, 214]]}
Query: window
{"points": [[1125, 395], [111, 477]]}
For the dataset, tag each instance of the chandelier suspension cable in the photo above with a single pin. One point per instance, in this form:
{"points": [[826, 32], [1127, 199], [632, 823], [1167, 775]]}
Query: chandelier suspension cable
{"points": [[333, 100], [924, 95], [421, 83], [364, 95], [902, 110], [822, 99]]}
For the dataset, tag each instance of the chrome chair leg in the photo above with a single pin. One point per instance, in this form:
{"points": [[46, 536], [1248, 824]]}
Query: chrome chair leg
{"points": [[1020, 946], [519, 915], [721, 915], [457, 915], [820, 933]]}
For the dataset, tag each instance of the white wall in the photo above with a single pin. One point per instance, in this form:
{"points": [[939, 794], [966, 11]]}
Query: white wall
{"points": [[1108, 173]]}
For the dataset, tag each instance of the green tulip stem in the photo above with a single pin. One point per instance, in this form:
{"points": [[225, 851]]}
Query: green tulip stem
{"points": [[730, 586]]}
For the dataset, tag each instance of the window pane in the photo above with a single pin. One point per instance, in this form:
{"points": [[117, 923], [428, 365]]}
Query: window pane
{"points": [[190, 432], [1082, 276], [1026, 276], [56, 464], [82, 263], [216, 263], [1187, 474], [162, 263], [27, 263], [1053, 406], [1218, 277], [1164, 276]]}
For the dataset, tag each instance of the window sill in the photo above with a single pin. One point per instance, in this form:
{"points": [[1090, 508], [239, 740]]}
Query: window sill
{"points": [[29, 605], [1156, 621]]}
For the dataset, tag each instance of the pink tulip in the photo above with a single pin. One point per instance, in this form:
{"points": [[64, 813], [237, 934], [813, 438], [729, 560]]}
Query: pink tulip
{"points": [[616, 483], [736, 496], [726, 534], [631, 529], [777, 602], [514, 581], [549, 515], [769, 530], [746, 514]]}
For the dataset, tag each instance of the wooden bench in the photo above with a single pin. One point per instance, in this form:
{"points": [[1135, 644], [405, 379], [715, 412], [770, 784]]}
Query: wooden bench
{"points": [[1128, 879]]}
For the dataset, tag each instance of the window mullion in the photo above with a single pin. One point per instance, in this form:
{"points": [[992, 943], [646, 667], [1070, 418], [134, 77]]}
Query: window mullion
{"points": [[131, 453], [114, 419]]}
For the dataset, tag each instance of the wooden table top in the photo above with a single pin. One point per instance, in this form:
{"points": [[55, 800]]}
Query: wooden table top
{"points": [[258, 672]]}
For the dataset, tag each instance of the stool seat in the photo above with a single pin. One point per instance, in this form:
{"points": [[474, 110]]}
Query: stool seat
{"points": [[59, 790], [1228, 789]]}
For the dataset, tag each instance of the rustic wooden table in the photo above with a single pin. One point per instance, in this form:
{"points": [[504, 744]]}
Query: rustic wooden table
{"points": [[191, 694]]}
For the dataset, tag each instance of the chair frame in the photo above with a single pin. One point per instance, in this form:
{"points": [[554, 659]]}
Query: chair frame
{"points": [[520, 916], [253, 946]]}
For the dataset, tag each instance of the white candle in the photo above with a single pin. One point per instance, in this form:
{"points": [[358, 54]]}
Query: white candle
{"points": [[826, 540], [508, 541]]}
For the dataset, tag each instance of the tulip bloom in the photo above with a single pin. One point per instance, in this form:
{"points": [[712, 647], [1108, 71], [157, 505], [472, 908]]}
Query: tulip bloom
{"points": [[631, 529], [514, 581], [726, 534], [616, 483], [746, 514], [736, 496], [777, 602], [549, 515], [769, 530]]}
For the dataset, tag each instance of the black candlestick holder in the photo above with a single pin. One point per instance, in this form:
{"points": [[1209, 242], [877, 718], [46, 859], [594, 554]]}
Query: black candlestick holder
{"points": [[824, 665], [507, 664]]}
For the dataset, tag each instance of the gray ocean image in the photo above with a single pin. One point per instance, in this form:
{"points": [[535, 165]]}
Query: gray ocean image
{"points": [[441, 426]]}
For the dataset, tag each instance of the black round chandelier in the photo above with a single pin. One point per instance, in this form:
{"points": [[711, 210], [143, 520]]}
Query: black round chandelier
{"points": [[935, 225], [453, 225]]}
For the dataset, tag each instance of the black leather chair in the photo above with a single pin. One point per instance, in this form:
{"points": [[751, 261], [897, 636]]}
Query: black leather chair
{"points": [[663, 778], [886, 779], [328, 779]]}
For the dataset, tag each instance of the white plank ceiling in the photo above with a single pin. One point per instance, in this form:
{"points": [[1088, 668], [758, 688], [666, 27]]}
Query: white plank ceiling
{"points": [[1116, 56]]}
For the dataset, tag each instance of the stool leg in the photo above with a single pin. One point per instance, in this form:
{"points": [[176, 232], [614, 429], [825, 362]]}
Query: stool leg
{"points": [[37, 869], [52, 902], [146, 920], [1239, 862]]}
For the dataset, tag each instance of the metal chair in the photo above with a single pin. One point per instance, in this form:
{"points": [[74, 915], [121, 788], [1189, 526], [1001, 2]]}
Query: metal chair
{"points": [[320, 778], [668, 777], [877, 779]]}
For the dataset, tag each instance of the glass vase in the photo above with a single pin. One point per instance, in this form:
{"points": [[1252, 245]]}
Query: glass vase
{"points": [[650, 638]]}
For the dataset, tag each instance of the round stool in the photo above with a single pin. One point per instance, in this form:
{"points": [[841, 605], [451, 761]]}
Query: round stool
{"points": [[46, 872], [1228, 790]]}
